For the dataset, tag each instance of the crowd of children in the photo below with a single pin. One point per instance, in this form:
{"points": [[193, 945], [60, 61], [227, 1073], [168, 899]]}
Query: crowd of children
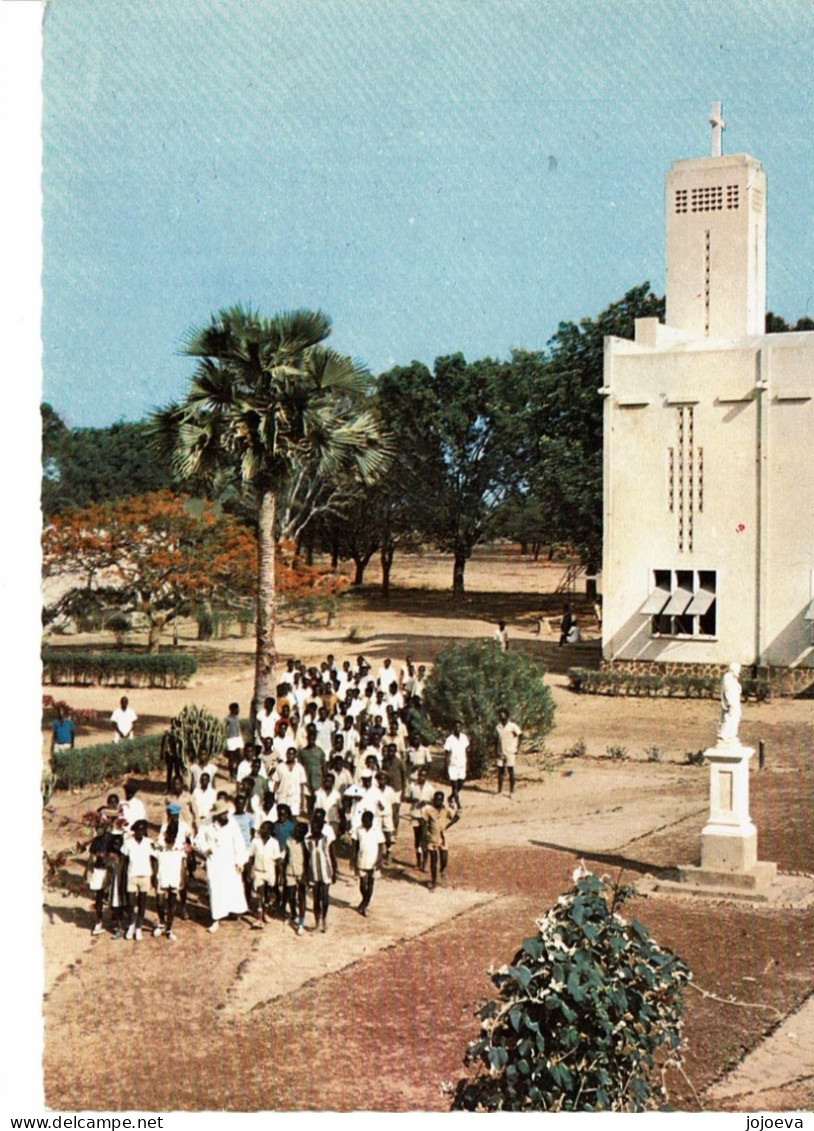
{"points": [[334, 757]]}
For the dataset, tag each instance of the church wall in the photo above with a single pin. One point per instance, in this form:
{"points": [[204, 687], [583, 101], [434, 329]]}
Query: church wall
{"points": [[695, 502], [682, 496], [789, 533]]}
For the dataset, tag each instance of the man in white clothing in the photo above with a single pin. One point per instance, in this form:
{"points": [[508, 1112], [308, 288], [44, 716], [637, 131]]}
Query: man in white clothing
{"points": [[507, 741], [132, 808], [267, 718], [123, 719], [455, 752], [288, 782], [221, 844]]}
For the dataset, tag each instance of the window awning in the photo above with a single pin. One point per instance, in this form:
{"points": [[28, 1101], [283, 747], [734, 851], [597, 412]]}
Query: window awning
{"points": [[700, 602], [809, 613], [678, 603], [655, 602]]}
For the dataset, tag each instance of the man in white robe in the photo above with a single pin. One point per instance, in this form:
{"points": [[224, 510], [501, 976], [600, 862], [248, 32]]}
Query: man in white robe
{"points": [[223, 848]]}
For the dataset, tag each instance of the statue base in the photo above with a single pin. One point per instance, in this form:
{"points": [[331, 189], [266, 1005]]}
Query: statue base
{"points": [[729, 863], [725, 848], [753, 883]]}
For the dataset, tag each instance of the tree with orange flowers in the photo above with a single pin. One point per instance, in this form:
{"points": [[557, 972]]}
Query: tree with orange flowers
{"points": [[153, 554]]}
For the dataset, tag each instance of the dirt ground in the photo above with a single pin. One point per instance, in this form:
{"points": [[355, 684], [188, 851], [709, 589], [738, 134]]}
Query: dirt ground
{"points": [[251, 1020]]}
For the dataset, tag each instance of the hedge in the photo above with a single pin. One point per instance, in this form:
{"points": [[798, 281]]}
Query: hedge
{"points": [[118, 669], [106, 761], [610, 682]]}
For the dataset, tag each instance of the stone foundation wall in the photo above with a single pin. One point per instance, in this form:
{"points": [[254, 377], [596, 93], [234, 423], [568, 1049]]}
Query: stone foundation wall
{"points": [[783, 681]]}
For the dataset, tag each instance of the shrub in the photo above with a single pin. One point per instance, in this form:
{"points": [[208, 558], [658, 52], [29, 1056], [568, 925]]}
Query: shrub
{"points": [[578, 750], [576, 679], [618, 753], [584, 1008], [105, 761], [653, 753], [117, 669], [472, 681], [757, 689], [694, 757]]}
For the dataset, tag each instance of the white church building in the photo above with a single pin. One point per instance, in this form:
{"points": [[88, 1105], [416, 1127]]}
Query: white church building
{"points": [[709, 448]]}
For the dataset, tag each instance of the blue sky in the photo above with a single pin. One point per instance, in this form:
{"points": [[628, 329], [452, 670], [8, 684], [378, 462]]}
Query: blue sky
{"points": [[435, 175]]}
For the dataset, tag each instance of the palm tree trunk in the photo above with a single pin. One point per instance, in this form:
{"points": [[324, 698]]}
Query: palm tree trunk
{"points": [[266, 652]]}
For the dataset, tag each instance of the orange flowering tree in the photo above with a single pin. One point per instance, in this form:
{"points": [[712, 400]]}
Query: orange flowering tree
{"points": [[306, 587], [154, 554]]}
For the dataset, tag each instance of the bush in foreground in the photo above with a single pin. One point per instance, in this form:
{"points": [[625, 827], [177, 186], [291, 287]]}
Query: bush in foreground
{"points": [[584, 1009], [472, 681]]}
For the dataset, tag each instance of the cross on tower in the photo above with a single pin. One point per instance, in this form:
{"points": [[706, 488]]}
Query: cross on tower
{"points": [[718, 127]]}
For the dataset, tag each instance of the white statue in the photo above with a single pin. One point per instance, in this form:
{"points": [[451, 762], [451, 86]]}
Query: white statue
{"points": [[730, 704]]}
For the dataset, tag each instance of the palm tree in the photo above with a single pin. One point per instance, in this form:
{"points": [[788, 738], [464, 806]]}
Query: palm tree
{"points": [[268, 400]]}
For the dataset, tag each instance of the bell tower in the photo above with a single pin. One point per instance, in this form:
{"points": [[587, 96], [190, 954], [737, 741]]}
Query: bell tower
{"points": [[716, 243]]}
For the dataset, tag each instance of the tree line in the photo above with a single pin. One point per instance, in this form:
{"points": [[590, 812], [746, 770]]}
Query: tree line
{"points": [[304, 446]]}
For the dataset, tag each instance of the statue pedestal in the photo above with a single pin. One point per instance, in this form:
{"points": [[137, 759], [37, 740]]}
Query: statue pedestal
{"points": [[729, 862]]}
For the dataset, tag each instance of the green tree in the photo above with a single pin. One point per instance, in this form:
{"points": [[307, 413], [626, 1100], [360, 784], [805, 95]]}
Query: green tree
{"points": [[456, 428], [562, 445], [472, 681], [268, 402], [95, 465]]}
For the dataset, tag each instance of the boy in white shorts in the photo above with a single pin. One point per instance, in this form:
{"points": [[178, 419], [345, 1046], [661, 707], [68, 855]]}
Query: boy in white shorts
{"points": [[140, 872], [367, 857]]}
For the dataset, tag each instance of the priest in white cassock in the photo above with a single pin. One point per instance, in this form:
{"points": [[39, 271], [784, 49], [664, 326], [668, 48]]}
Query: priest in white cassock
{"points": [[221, 844]]}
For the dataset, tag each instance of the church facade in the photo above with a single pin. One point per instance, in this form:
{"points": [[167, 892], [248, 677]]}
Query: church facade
{"points": [[709, 449]]}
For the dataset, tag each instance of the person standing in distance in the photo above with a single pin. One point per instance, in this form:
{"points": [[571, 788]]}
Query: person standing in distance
{"points": [[123, 718], [507, 741]]}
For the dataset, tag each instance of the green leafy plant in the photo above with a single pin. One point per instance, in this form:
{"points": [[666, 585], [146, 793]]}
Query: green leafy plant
{"points": [[653, 753], [587, 1011], [578, 750], [472, 681], [694, 757], [617, 753]]}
